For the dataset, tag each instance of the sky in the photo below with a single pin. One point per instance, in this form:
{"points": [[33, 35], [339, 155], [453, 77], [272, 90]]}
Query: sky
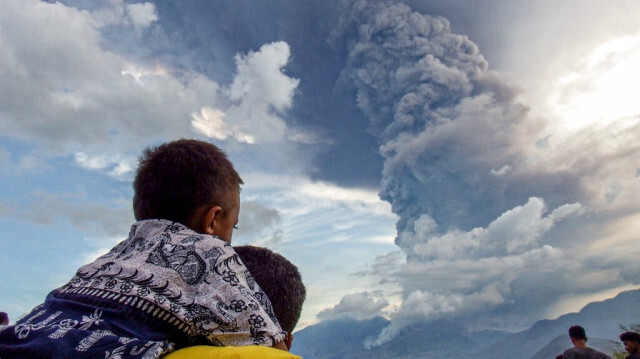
{"points": [[420, 160]]}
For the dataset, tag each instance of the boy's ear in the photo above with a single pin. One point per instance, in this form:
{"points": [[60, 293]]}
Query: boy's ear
{"points": [[209, 220]]}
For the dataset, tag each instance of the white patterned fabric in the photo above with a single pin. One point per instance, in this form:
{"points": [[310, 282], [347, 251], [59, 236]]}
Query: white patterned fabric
{"points": [[163, 284]]}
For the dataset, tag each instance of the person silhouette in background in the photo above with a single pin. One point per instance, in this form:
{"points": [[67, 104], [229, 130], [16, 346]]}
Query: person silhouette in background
{"points": [[631, 341], [580, 350]]}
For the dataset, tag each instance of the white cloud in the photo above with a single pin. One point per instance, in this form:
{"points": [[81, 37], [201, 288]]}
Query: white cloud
{"points": [[484, 272], [598, 160], [305, 137], [142, 14], [417, 307], [260, 80], [515, 231], [503, 171], [600, 90], [361, 305], [65, 91], [314, 194], [114, 165], [116, 13], [445, 288], [210, 122], [259, 93], [308, 207]]}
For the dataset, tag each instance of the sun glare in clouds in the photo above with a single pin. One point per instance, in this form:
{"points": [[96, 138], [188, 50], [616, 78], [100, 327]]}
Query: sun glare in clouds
{"points": [[604, 89], [138, 73]]}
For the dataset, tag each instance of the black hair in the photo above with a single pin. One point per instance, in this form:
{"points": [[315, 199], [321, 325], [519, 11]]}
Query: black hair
{"points": [[279, 279], [577, 332], [176, 178], [630, 337]]}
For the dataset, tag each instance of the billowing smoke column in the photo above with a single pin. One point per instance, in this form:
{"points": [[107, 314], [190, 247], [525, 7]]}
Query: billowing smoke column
{"points": [[444, 122], [450, 133]]}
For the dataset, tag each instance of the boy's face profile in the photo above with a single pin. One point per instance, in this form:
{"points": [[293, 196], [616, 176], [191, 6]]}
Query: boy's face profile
{"points": [[631, 346], [228, 219]]}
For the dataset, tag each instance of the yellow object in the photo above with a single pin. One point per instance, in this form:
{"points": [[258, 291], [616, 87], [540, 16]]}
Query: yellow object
{"points": [[211, 352]]}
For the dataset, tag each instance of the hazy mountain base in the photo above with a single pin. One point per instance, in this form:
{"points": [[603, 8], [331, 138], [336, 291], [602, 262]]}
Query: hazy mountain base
{"points": [[439, 340], [344, 339]]}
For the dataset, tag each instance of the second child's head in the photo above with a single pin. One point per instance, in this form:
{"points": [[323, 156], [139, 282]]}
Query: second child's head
{"points": [[191, 182], [281, 282]]}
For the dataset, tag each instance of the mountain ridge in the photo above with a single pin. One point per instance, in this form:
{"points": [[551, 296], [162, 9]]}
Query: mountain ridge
{"points": [[343, 338]]}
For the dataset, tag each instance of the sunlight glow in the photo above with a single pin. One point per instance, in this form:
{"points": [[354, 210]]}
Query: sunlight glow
{"points": [[604, 89], [138, 72], [574, 303]]}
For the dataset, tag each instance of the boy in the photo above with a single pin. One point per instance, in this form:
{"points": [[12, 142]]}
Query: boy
{"points": [[172, 283], [281, 281]]}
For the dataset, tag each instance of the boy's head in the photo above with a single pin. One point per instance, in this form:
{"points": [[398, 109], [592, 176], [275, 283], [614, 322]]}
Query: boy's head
{"points": [[182, 180], [631, 341], [279, 279], [577, 332]]}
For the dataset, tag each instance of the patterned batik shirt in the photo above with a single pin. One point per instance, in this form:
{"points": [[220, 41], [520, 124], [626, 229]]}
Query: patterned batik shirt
{"points": [[162, 288]]}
